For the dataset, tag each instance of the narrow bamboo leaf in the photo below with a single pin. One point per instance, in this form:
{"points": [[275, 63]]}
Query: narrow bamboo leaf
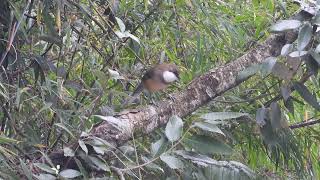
{"points": [[317, 50], [298, 53], [83, 171], [45, 177], [133, 37], [208, 127], [174, 128], [304, 36], [26, 170], [172, 161], [316, 56], [159, 147], [248, 72], [152, 166], [207, 145], [312, 65], [285, 25], [7, 140], [99, 149], [61, 125], [45, 168], [121, 24], [46, 106], [70, 173], [195, 157], [267, 66], [99, 163], [306, 95], [213, 116], [286, 49], [83, 146]]}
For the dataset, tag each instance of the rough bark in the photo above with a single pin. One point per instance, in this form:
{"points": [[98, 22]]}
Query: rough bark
{"points": [[199, 92]]}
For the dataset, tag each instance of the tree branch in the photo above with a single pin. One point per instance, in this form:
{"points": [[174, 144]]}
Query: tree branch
{"points": [[198, 93], [304, 124]]}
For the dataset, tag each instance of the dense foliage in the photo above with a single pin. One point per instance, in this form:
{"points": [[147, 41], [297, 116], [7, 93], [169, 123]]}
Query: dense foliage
{"points": [[66, 65]]}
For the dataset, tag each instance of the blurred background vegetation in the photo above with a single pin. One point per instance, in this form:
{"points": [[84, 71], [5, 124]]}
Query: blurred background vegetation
{"points": [[70, 60]]}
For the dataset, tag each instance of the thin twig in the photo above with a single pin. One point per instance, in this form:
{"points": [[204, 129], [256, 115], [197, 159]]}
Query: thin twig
{"points": [[304, 124]]}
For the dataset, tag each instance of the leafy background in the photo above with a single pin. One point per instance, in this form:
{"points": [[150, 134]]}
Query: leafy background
{"points": [[70, 60]]}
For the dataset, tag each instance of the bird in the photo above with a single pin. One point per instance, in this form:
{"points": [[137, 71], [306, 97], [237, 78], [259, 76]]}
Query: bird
{"points": [[156, 79]]}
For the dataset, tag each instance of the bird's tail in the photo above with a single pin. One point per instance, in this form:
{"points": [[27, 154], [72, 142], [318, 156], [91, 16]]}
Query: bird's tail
{"points": [[133, 96]]}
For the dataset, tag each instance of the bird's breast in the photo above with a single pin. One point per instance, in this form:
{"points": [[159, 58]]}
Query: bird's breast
{"points": [[153, 85]]}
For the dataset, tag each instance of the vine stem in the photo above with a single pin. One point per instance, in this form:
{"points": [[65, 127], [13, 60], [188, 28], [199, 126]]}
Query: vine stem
{"points": [[156, 158]]}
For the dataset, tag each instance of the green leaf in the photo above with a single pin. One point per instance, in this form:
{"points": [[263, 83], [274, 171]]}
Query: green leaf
{"points": [[7, 140], [70, 173], [99, 149], [45, 177], [306, 95], [83, 146], [45, 168], [304, 37], [151, 165], [207, 145], [312, 65], [120, 24], [99, 163], [285, 25], [316, 57], [317, 50], [172, 161], [26, 170], [286, 49], [298, 53], [196, 157], [174, 128], [134, 37], [83, 171], [208, 127], [159, 147], [214, 116], [46, 106], [248, 72], [267, 66], [61, 125]]}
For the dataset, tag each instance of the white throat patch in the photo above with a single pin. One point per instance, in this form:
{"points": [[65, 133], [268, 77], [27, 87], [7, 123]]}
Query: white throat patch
{"points": [[169, 77]]}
